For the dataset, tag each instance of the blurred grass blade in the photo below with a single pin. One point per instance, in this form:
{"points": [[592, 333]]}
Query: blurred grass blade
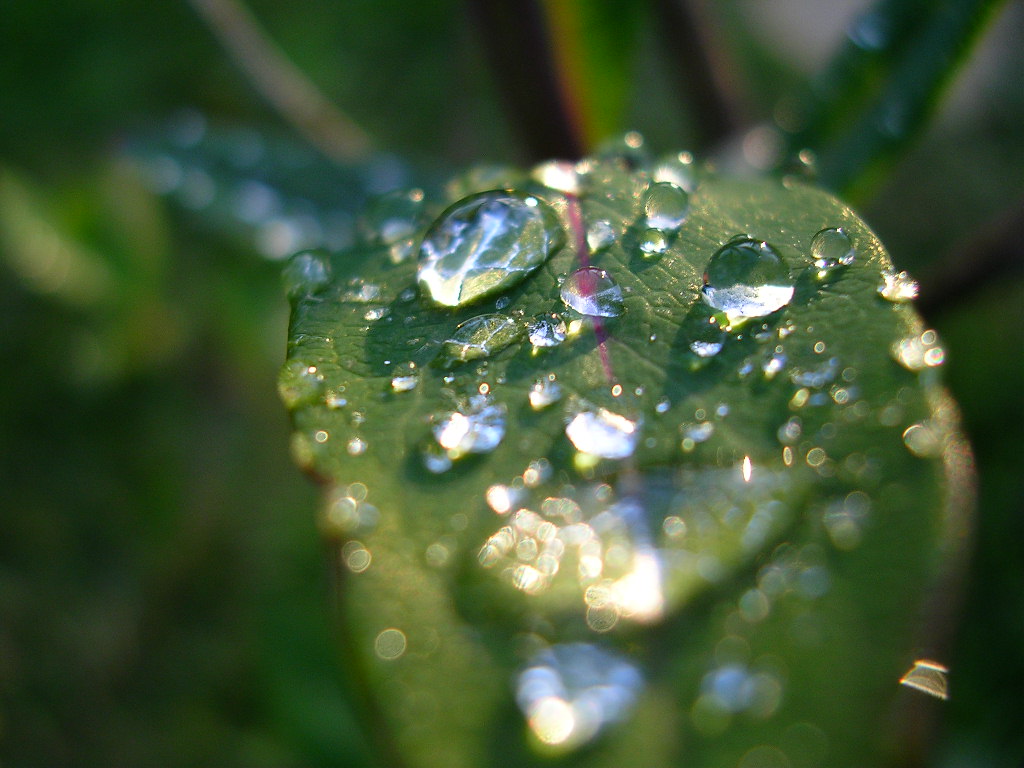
{"points": [[592, 47], [563, 68], [882, 86]]}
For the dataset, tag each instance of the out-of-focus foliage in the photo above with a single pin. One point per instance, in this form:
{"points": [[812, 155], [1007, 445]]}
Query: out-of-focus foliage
{"points": [[163, 599]]}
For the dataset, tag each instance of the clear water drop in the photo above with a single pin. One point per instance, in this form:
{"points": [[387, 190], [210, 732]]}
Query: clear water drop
{"points": [[480, 337], [592, 291], [665, 206], [393, 219], [831, 248], [746, 278], [477, 427], [405, 377], [898, 287], [916, 353], [923, 440], [485, 244], [558, 174], [306, 273], [603, 433], [299, 383], [546, 330], [705, 348], [544, 392], [653, 243], [600, 235]]}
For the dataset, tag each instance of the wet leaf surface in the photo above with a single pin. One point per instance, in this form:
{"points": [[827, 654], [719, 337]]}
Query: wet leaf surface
{"points": [[706, 541]]}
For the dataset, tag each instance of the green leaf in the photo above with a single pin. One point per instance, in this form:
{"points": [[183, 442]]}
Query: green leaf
{"points": [[883, 84], [693, 525]]}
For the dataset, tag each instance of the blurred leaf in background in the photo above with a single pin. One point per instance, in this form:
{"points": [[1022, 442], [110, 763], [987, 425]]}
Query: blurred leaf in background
{"points": [[163, 598]]}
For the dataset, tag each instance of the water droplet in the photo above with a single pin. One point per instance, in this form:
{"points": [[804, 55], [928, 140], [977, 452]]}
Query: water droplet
{"points": [[928, 677], [299, 383], [832, 248], [558, 174], [653, 242], [486, 244], [923, 440], [405, 377], [544, 392], [603, 433], [479, 337], [600, 235], [705, 348], [547, 330], [917, 353], [665, 206], [592, 291], [746, 278], [356, 446], [570, 692], [306, 273], [361, 292], [478, 427], [898, 287], [393, 220]]}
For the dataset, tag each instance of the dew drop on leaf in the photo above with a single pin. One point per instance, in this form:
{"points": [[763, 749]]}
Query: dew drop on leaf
{"points": [[544, 392], [477, 427], [591, 291], [746, 278], [405, 377], [653, 243], [480, 337], [665, 206], [916, 353], [306, 273], [603, 433], [831, 248], [485, 244], [898, 287], [600, 235], [546, 330], [393, 219]]}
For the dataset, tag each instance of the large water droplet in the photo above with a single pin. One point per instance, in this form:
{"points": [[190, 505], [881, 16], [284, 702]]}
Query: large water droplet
{"points": [[485, 244], [665, 206], [746, 278], [832, 248], [570, 692], [898, 287], [603, 433], [592, 291], [479, 337], [477, 427], [547, 330], [306, 273]]}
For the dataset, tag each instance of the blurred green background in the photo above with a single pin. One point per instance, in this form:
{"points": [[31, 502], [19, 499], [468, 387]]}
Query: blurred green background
{"points": [[163, 595]]}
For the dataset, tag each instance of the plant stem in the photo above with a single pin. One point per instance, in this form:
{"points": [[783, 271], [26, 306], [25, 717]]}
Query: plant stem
{"points": [[281, 83]]}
